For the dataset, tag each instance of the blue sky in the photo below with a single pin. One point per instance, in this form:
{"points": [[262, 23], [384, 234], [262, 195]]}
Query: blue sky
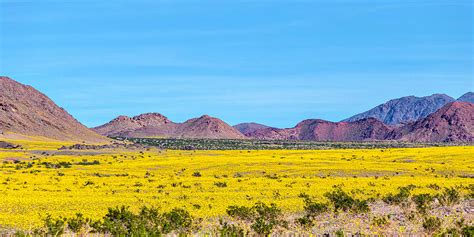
{"points": [[273, 62]]}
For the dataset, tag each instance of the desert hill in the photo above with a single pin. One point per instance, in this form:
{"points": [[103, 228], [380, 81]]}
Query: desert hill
{"points": [[26, 111]]}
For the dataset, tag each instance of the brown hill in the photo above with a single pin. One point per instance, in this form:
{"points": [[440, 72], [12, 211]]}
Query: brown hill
{"points": [[26, 111], [145, 125], [452, 123], [157, 125], [247, 128], [321, 130]]}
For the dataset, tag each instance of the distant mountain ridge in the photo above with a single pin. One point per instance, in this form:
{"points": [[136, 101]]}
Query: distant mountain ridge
{"points": [[247, 128], [26, 111], [452, 123], [157, 125], [468, 97], [369, 129], [405, 109]]}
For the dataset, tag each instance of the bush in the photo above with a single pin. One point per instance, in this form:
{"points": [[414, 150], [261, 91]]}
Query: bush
{"points": [[379, 221], [263, 218], [77, 223], [314, 209], [229, 230], [54, 227], [431, 224], [220, 184], [449, 197], [177, 220], [401, 198], [422, 202], [120, 221], [342, 201]]}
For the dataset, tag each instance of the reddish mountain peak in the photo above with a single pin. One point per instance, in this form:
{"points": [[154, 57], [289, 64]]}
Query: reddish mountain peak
{"points": [[26, 111], [149, 116], [121, 118], [454, 122]]}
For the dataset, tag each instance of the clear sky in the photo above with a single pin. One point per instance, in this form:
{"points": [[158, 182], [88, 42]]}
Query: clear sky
{"points": [[274, 62]]}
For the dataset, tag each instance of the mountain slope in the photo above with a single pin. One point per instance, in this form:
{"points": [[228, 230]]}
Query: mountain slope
{"points": [[145, 125], [405, 109], [247, 128], [26, 111], [468, 97], [208, 127], [321, 130], [157, 125], [452, 123]]}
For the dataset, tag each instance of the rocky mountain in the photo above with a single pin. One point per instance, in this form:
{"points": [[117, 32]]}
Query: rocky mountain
{"points": [[157, 125], [247, 128], [405, 109], [468, 97], [452, 123], [144, 125], [320, 130], [26, 111]]}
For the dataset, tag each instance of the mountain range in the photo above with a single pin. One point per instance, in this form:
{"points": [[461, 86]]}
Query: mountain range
{"points": [[157, 125], [25, 111]]}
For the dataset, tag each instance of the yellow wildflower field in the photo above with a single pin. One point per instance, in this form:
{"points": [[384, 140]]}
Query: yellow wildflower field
{"points": [[35, 182]]}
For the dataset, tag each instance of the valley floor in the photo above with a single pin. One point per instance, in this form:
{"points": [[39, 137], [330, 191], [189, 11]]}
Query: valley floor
{"points": [[40, 180]]}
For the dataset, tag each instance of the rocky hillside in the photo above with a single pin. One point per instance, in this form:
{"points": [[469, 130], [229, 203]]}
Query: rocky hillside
{"points": [[26, 111], [452, 123], [320, 130], [468, 97], [247, 128], [405, 109], [157, 125]]}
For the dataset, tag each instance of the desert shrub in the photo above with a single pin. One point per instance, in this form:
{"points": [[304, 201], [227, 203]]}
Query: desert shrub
{"points": [[422, 202], [77, 223], [467, 231], [431, 224], [401, 198], [178, 220], [220, 184], [263, 218], [85, 162], [120, 221], [230, 230], [342, 201], [340, 233], [449, 197], [379, 221], [241, 212], [197, 174], [312, 209], [54, 226]]}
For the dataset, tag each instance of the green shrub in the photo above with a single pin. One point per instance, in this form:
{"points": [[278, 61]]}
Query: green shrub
{"points": [[177, 220], [263, 218], [449, 197], [229, 230], [77, 223], [342, 201], [401, 198], [54, 227], [422, 202], [379, 221], [220, 184], [431, 224]]}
